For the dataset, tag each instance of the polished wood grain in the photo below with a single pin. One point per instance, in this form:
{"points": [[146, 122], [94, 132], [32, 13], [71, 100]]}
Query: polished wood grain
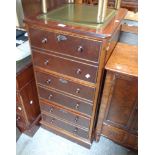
{"points": [[64, 63], [113, 133], [30, 101], [121, 101], [124, 60], [63, 114], [118, 114], [67, 101], [64, 85], [65, 126], [78, 47], [24, 76], [131, 141], [120, 136], [27, 104], [118, 111], [71, 68], [76, 139]]}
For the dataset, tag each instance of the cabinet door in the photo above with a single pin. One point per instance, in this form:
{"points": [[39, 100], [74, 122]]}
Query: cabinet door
{"points": [[121, 102], [30, 101]]}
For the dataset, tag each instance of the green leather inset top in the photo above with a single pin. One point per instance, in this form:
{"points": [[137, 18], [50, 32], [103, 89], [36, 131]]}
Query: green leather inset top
{"points": [[77, 15]]}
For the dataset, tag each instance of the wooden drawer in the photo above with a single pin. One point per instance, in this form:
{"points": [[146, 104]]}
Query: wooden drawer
{"points": [[65, 85], [64, 44], [65, 66], [64, 114], [65, 126], [65, 101]]}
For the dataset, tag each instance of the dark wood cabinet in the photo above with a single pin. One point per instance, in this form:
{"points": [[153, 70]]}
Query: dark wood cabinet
{"points": [[118, 115], [69, 65], [27, 104]]}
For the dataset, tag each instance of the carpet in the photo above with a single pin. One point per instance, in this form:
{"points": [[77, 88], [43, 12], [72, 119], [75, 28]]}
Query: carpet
{"points": [[47, 143]]}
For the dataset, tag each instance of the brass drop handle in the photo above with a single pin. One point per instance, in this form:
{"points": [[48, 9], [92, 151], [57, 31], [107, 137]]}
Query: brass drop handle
{"points": [[77, 106], [52, 120], [78, 90], [48, 81], [76, 119], [50, 96], [44, 40], [79, 71], [46, 62], [51, 110], [80, 49], [75, 130], [61, 38]]}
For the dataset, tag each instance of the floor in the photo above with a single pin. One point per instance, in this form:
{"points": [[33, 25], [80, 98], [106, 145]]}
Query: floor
{"points": [[47, 143]]}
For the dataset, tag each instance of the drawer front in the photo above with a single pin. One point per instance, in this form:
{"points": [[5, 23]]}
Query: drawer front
{"points": [[73, 46], [65, 66], [60, 124], [65, 85], [65, 101], [64, 114]]}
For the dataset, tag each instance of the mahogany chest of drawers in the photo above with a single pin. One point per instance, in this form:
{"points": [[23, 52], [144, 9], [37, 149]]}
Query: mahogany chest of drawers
{"points": [[27, 104], [69, 65]]}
